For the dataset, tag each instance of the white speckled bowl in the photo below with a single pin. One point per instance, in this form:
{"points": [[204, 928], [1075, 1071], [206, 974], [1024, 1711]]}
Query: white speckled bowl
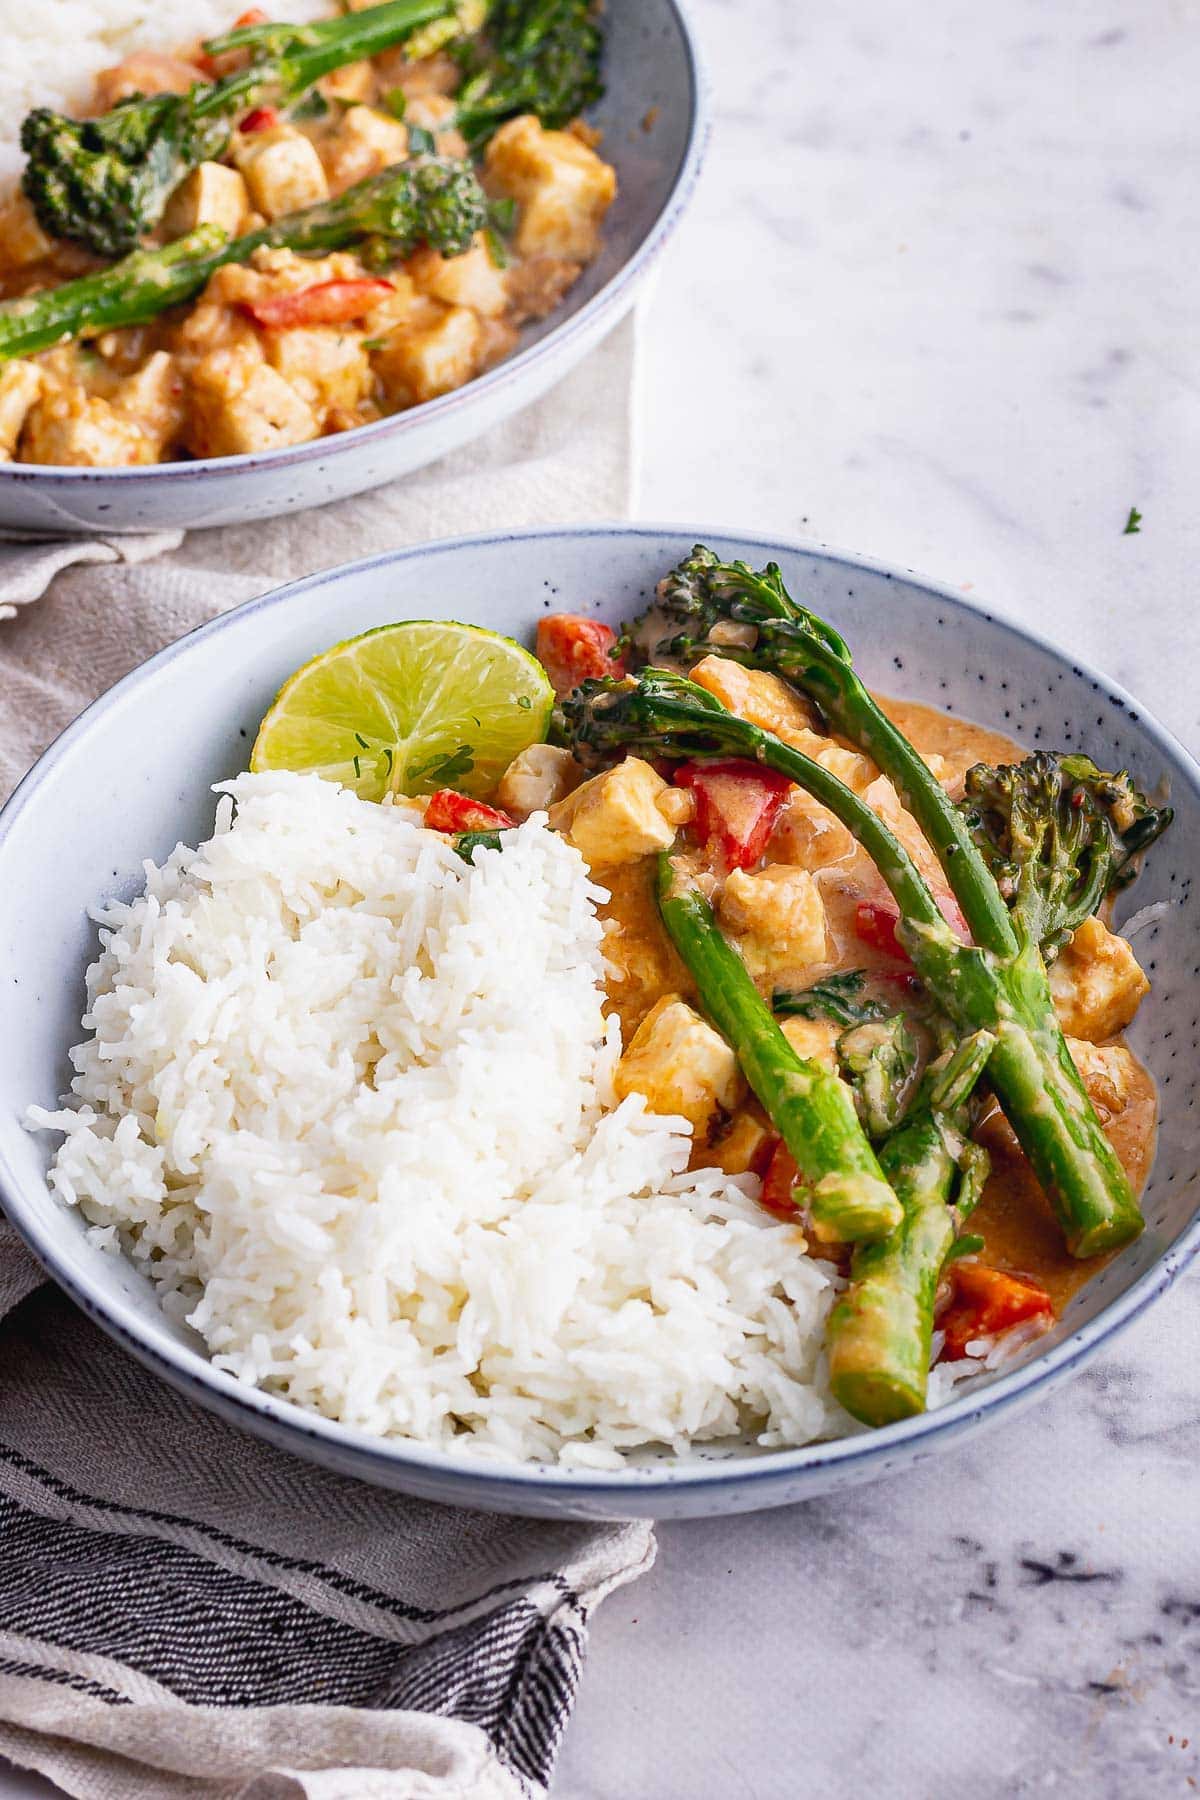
{"points": [[131, 777], [654, 119]]}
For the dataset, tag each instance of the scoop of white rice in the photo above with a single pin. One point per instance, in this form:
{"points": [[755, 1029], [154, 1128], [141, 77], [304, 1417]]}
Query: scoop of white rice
{"points": [[347, 1100]]}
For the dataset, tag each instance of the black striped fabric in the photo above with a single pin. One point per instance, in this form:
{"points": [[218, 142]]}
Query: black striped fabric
{"points": [[94, 1585]]}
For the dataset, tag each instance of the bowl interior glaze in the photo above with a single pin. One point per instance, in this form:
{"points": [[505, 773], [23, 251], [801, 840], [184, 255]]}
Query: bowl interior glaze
{"points": [[131, 778]]}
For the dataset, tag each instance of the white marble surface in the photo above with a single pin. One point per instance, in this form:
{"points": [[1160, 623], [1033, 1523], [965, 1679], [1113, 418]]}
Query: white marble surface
{"points": [[937, 302]]}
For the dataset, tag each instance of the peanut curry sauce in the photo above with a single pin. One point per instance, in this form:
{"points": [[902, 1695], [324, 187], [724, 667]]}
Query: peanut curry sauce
{"points": [[258, 361], [1013, 1218]]}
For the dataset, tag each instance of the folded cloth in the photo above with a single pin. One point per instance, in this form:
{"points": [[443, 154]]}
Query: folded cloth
{"points": [[185, 1611], [567, 458]]}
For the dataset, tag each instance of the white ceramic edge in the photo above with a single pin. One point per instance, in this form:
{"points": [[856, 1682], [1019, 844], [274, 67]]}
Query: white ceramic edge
{"points": [[563, 346], [659, 1491]]}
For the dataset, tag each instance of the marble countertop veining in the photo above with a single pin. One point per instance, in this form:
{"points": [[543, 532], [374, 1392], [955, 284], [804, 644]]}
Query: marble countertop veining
{"points": [[937, 302]]}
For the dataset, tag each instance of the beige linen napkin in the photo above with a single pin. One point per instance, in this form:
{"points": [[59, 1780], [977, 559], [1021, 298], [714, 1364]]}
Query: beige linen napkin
{"points": [[183, 1610], [109, 604]]}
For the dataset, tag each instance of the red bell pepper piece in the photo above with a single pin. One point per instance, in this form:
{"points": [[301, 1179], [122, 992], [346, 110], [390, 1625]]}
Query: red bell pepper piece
{"points": [[259, 118], [875, 923], [778, 1180], [985, 1302], [448, 811], [737, 804], [325, 303], [572, 649]]}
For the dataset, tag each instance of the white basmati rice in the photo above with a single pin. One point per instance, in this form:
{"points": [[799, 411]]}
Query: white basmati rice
{"points": [[54, 48], [347, 1100]]}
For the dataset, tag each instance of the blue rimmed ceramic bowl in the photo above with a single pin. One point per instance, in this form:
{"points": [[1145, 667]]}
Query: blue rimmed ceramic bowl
{"points": [[98, 803], [655, 122]]}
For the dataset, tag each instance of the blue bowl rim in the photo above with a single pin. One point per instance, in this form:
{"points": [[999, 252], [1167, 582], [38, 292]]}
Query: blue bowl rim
{"points": [[606, 305], [356, 1451]]}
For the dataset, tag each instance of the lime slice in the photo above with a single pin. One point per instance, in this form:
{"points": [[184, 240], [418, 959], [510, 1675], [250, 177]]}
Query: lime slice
{"points": [[408, 708]]}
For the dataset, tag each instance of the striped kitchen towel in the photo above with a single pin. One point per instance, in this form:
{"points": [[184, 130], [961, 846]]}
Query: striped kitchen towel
{"points": [[185, 1611]]}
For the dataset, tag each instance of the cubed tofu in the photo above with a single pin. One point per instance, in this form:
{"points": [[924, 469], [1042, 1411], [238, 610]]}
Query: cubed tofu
{"points": [[282, 170], [760, 698], [211, 194], [807, 835], [745, 1145], [325, 364], [813, 1039], [239, 403], [471, 280], [152, 398], [1108, 1074], [1097, 983], [22, 240], [73, 428], [615, 817], [681, 1066], [563, 189], [365, 141], [416, 76], [20, 385], [434, 351], [882, 798], [778, 915], [433, 112], [144, 72], [537, 779], [858, 772], [351, 84]]}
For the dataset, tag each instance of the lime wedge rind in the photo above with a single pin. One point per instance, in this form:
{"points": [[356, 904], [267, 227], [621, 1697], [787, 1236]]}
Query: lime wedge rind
{"points": [[408, 707]]}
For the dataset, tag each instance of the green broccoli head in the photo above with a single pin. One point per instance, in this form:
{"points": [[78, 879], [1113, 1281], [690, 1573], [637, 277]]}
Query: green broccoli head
{"points": [[705, 606], [1059, 835], [541, 56], [655, 713], [104, 182]]}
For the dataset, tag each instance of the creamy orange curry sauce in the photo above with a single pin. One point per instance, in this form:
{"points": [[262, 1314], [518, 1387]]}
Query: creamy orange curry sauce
{"points": [[795, 919], [217, 377]]}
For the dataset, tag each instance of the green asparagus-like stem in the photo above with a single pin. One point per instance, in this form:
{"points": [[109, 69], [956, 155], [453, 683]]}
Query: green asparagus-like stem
{"points": [[979, 989], [395, 205], [849, 1199], [879, 1332], [137, 288], [1031, 1069]]}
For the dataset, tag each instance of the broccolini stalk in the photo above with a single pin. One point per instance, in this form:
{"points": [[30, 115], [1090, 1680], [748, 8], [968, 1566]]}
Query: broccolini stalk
{"points": [[436, 200], [791, 642], [847, 1195], [879, 1332], [105, 182], [662, 714], [881, 1059]]}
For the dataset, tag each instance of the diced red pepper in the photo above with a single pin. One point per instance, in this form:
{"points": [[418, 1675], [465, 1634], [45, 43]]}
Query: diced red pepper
{"points": [[777, 1183], [985, 1302], [254, 15], [325, 303], [448, 811], [875, 923], [572, 649], [259, 118], [737, 804]]}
